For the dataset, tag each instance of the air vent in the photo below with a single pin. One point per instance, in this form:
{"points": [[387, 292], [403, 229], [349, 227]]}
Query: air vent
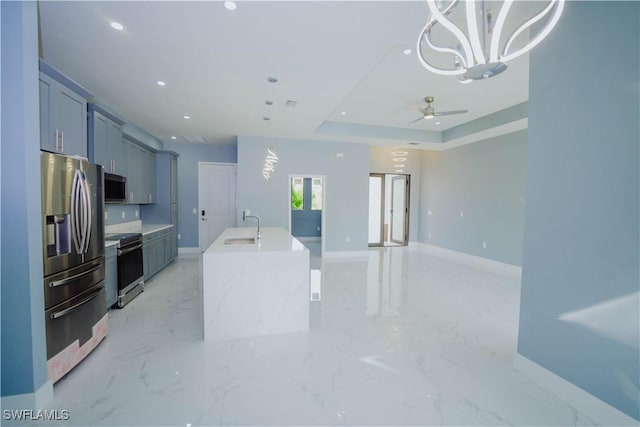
{"points": [[194, 138], [414, 143], [291, 103]]}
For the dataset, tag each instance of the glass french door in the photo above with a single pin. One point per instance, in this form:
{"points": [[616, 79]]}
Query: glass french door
{"points": [[399, 209]]}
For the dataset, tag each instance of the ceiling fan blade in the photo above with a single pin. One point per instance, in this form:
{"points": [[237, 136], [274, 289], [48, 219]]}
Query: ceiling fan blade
{"points": [[418, 108], [416, 120], [449, 113]]}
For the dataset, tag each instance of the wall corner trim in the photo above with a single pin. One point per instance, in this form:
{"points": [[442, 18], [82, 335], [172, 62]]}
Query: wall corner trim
{"points": [[581, 400], [33, 401], [503, 269]]}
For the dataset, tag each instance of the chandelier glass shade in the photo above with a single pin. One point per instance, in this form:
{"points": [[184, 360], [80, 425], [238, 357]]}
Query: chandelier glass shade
{"points": [[473, 39]]}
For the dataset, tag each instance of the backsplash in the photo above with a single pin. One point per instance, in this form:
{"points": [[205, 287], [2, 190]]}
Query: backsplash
{"points": [[117, 214]]}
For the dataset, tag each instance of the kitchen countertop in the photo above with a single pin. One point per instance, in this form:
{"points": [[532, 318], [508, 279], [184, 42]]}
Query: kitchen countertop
{"points": [[152, 228], [274, 239], [108, 243]]}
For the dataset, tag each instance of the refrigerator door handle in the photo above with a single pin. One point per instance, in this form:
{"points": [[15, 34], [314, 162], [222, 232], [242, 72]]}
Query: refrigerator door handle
{"points": [[75, 306], [75, 214], [86, 214]]}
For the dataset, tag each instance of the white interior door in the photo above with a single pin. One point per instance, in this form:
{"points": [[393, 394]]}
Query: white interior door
{"points": [[398, 209], [216, 201]]}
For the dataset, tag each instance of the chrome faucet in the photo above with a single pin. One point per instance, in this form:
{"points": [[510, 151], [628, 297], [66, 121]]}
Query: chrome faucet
{"points": [[244, 218]]}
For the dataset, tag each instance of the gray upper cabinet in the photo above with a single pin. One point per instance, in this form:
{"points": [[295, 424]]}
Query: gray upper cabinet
{"points": [[63, 118], [140, 167], [105, 141]]}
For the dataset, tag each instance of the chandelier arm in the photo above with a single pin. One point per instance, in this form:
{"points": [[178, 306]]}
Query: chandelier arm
{"points": [[474, 33], [432, 68], [455, 52], [437, 14], [497, 30], [540, 36]]}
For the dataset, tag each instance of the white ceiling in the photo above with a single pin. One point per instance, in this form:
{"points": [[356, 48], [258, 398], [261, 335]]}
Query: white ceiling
{"points": [[328, 56]]}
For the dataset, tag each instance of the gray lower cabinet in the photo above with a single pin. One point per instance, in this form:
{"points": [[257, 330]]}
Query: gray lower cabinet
{"points": [[111, 275], [157, 251]]}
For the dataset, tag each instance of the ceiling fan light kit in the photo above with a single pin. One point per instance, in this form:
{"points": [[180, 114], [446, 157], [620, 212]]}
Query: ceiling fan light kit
{"points": [[466, 38], [429, 112]]}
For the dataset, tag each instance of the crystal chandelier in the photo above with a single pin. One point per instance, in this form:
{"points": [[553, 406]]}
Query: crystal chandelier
{"points": [[473, 40]]}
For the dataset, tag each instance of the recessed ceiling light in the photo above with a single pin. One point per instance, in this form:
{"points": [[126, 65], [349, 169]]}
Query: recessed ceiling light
{"points": [[399, 166], [272, 80], [344, 113], [437, 123], [399, 170], [187, 117], [173, 137], [161, 83], [407, 51], [399, 159], [268, 102], [399, 153], [230, 5], [117, 26]]}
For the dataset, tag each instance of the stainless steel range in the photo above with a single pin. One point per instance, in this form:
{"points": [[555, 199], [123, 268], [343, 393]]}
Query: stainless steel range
{"points": [[130, 266]]}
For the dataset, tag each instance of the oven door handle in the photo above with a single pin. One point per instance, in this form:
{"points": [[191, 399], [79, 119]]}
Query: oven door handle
{"points": [[74, 277], [66, 311], [126, 251]]}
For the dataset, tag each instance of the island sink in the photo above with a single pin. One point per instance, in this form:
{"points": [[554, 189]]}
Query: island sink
{"points": [[240, 241]]}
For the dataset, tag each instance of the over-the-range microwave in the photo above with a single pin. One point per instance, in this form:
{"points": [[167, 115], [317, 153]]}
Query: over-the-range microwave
{"points": [[115, 188]]}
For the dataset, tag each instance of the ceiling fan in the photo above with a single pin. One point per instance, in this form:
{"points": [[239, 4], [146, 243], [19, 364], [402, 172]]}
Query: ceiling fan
{"points": [[429, 112]]}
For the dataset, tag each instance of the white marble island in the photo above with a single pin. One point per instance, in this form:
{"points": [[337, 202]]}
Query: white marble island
{"points": [[253, 289]]}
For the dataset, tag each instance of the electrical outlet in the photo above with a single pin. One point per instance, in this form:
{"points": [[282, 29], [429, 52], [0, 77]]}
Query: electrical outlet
{"points": [[429, 235], [123, 215], [179, 236], [136, 213], [429, 213], [484, 245], [461, 214], [106, 215], [348, 239], [317, 228]]}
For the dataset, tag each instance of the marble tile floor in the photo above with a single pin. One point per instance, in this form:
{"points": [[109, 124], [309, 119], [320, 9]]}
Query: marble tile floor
{"points": [[400, 337]]}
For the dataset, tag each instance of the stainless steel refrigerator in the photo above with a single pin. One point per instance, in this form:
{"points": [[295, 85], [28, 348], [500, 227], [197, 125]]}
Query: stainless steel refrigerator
{"points": [[73, 254]]}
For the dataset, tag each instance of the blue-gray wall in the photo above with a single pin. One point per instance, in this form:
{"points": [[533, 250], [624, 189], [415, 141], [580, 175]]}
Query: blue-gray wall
{"points": [[23, 333], [484, 181], [346, 186], [190, 155], [581, 243]]}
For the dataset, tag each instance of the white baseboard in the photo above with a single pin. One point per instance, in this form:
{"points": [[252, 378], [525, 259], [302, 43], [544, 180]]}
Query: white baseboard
{"points": [[507, 270], [186, 252], [34, 401], [581, 400], [345, 254]]}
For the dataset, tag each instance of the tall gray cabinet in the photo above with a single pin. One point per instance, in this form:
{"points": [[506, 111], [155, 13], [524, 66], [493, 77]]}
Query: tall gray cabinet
{"points": [[165, 208]]}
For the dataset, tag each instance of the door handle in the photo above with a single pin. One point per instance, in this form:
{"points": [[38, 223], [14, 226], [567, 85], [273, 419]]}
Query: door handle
{"points": [[74, 277], [75, 306]]}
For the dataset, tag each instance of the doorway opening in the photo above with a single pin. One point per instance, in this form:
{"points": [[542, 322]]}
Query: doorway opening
{"points": [[388, 209], [307, 211]]}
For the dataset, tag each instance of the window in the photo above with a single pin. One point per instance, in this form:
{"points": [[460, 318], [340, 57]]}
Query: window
{"points": [[316, 194], [297, 193]]}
